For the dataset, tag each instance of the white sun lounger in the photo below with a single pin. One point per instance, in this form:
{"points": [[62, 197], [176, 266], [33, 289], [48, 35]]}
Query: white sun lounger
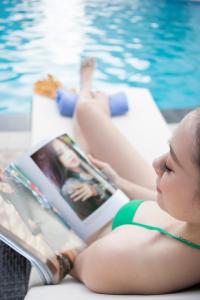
{"points": [[145, 127]]}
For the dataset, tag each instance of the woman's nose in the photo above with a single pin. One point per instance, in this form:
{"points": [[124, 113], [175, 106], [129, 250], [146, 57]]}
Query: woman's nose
{"points": [[158, 164]]}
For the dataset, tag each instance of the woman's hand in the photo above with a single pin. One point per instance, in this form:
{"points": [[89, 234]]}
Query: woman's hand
{"points": [[82, 192], [106, 169]]}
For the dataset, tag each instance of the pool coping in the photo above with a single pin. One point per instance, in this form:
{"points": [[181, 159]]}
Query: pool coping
{"points": [[20, 122], [175, 115], [16, 129], [15, 122]]}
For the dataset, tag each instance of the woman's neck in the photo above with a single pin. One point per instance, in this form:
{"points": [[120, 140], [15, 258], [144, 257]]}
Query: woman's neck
{"points": [[189, 231], [193, 228], [77, 170]]}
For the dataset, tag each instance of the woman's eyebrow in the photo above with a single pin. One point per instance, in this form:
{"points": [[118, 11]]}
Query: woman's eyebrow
{"points": [[174, 157]]}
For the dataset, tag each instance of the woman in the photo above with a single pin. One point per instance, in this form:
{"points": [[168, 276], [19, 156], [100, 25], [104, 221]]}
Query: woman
{"points": [[62, 165], [153, 246]]}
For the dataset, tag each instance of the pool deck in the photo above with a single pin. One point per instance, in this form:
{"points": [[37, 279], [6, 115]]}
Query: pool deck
{"points": [[15, 122], [174, 115], [15, 132], [18, 143], [14, 144], [22, 122]]}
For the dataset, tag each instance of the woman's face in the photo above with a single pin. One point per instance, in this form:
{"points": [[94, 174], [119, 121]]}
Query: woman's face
{"points": [[178, 175], [67, 157]]}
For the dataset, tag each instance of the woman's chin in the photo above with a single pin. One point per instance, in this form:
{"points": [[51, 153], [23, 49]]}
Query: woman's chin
{"points": [[74, 165], [159, 201]]}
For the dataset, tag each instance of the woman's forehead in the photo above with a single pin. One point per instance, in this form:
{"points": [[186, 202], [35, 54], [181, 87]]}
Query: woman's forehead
{"points": [[60, 144], [183, 141], [187, 127]]}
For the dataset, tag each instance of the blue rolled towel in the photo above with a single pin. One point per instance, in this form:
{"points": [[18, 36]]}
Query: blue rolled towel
{"points": [[66, 101]]}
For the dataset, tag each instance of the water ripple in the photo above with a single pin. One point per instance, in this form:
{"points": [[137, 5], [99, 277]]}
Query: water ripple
{"points": [[133, 41]]}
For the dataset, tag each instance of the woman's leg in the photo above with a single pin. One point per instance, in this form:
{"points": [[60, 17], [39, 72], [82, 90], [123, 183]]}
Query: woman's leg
{"points": [[96, 132], [86, 75]]}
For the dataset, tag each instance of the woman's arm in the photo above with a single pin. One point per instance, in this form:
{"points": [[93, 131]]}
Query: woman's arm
{"points": [[136, 261], [135, 191], [132, 190]]}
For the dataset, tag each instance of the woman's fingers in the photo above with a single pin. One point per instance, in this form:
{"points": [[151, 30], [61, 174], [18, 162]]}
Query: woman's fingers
{"points": [[80, 197], [105, 168], [82, 192], [96, 162]]}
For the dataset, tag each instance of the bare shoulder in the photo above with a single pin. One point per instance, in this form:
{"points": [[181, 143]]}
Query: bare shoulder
{"points": [[135, 260], [150, 212], [148, 262], [138, 260]]}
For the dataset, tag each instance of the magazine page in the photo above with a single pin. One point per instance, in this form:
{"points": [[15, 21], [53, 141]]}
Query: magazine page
{"points": [[81, 193], [34, 228]]}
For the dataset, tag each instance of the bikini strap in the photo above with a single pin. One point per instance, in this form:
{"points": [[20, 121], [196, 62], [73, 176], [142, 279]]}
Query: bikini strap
{"points": [[162, 231]]}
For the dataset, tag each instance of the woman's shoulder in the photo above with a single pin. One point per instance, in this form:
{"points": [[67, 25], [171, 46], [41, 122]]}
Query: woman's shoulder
{"points": [[149, 212], [169, 229], [161, 251], [149, 252]]}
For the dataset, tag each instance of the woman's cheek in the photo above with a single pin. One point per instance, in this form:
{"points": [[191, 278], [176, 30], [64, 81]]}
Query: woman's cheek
{"points": [[167, 184], [165, 198], [163, 183]]}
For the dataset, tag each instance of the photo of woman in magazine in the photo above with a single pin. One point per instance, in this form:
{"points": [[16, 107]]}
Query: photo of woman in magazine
{"points": [[30, 226], [64, 166]]}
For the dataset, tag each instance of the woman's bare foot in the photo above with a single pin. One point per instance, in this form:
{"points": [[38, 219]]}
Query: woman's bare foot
{"points": [[86, 74]]}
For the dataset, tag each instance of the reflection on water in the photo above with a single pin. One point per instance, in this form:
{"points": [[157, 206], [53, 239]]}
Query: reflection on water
{"points": [[37, 37], [138, 43]]}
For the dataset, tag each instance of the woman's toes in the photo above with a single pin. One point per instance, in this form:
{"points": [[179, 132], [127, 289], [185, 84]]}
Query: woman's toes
{"points": [[88, 63], [92, 62]]}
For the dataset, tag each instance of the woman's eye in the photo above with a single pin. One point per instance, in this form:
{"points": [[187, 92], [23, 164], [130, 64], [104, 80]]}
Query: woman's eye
{"points": [[167, 169]]}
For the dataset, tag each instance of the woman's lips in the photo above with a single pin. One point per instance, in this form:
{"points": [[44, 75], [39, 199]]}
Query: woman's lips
{"points": [[158, 190], [157, 186], [73, 161]]}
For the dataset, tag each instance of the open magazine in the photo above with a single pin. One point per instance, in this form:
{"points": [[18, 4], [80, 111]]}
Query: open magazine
{"points": [[52, 200]]}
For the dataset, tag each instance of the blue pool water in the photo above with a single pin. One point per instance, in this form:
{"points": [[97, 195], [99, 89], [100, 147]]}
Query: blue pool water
{"points": [[145, 43]]}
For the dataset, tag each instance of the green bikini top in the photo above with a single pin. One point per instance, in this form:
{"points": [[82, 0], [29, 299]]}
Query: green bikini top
{"points": [[126, 215]]}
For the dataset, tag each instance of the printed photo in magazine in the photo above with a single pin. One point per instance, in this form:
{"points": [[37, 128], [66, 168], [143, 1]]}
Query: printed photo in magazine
{"points": [[52, 200], [81, 193], [35, 229], [72, 176]]}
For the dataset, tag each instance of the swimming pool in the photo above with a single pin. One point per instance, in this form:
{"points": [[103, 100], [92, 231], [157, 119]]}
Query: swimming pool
{"points": [[145, 43]]}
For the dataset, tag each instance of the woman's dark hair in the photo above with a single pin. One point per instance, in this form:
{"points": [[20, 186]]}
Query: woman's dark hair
{"points": [[73, 146], [48, 161]]}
